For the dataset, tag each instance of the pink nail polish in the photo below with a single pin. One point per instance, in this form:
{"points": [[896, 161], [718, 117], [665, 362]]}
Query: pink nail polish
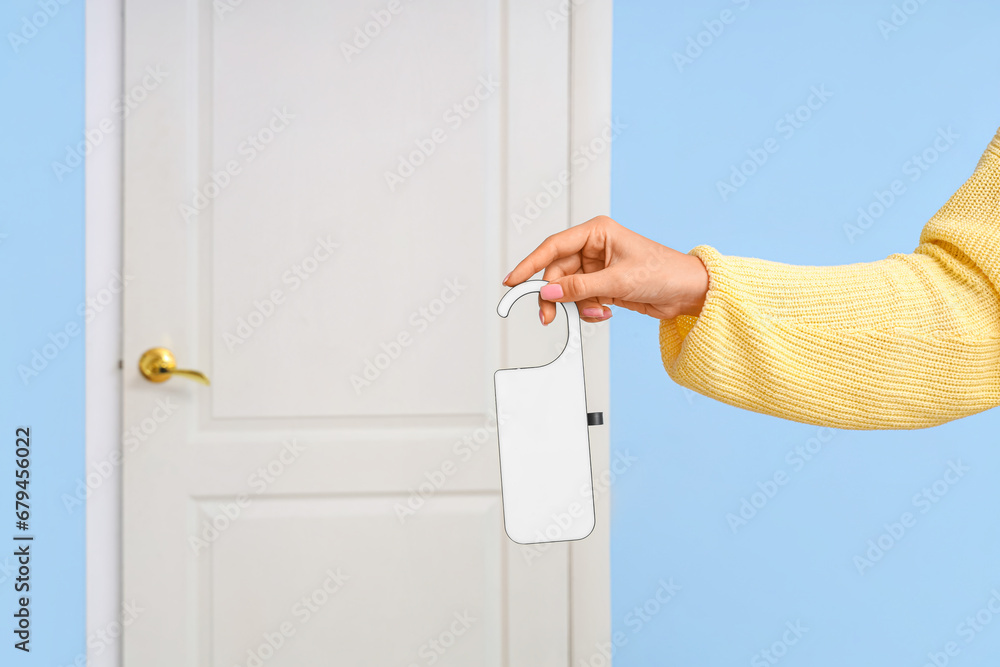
{"points": [[506, 277], [592, 312], [541, 316], [551, 292]]}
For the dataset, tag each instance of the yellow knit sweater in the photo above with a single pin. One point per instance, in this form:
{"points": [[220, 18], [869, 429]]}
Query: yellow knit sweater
{"points": [[909, 341]]}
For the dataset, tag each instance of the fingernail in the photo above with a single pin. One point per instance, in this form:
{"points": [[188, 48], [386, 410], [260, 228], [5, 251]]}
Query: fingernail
{"points": [[607, 314], [541, 316], [505, 278], [592, 312], [551, 292]]}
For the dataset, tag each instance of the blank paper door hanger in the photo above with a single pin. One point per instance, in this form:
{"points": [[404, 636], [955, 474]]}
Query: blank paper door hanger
{"points": [[544, 438]]}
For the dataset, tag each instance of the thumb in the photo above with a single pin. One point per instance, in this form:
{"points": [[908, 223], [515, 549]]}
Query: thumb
{"points": [[579, 286]]}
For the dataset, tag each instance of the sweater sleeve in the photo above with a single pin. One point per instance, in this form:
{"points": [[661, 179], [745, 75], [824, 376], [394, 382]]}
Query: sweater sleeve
{"points": [[906, 342]]}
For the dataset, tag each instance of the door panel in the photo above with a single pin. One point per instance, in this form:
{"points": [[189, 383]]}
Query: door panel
{"points": [[453, 549], [414, 254]]}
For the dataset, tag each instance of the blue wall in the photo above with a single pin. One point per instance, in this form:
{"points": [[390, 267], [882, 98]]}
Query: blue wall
{"points": [[794, 562], [41, 336]]}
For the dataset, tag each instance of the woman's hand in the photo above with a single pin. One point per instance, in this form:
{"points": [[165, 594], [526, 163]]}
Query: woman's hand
{"points": [[600, 262]]}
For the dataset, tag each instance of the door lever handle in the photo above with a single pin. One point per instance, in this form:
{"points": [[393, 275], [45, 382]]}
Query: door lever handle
{"points": [[158, 365]]}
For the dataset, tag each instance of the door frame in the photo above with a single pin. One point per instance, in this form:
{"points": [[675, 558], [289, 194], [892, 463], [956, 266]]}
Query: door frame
{"points": [[103, 257], [588, 195]]}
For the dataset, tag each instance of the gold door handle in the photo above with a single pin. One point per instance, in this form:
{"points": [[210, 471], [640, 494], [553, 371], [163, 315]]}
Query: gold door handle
{"points": [[158, 365]]}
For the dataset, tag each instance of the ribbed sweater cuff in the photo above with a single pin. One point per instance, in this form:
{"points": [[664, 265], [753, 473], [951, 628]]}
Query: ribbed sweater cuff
{"points": [[680, 336]]}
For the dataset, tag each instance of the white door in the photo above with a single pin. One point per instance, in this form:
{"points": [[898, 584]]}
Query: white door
{"points": [[321, 199]]}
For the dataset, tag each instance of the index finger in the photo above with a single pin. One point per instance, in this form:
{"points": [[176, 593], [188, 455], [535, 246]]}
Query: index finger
{"points": [[562, 244]]}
